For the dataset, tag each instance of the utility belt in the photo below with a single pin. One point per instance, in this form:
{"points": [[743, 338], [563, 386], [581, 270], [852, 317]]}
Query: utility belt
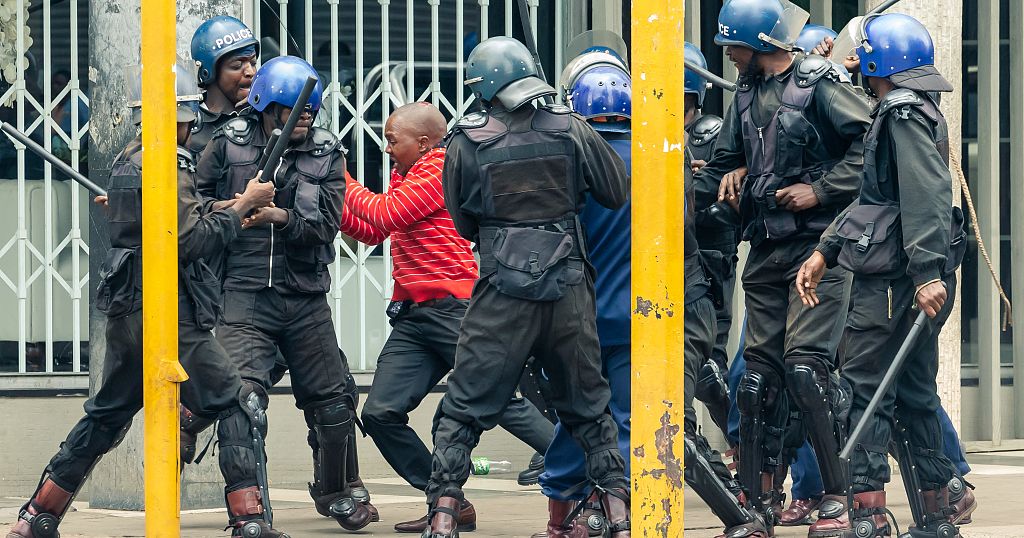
{"points": [[772, 220], [535, 263]]}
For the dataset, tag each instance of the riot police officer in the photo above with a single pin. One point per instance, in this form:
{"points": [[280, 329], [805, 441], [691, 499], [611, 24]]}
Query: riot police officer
{"points": [[601, 94], [798, 125], [903, 244], [226, 51], [717, 229], [539, 299], [214, 389], [276, 274]]}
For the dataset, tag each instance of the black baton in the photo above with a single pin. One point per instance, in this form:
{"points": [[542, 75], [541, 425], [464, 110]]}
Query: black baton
{"points": [[714, 79], [289, 126], [52, 159], [531, 44], [890, 377]]}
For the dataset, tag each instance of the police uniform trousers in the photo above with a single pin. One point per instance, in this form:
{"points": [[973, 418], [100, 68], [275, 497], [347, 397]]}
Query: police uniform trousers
{"points": [[418, 353], [256, 325], [723, 316], [210, 392], [499, 333], [880, 318], [700, 334], [803, 335], [564, 461]]}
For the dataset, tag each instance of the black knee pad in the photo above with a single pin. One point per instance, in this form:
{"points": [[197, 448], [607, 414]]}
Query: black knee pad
{"points": [[805, 386], [755, 392], [711, 385], [254, 401]]}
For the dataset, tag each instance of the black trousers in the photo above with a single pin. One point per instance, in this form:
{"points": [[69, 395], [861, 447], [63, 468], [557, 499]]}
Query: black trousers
{"points": [[211, 392], [499, 333], [802, 335], [700, 336], [880, 318], [723, 317], [256, 326], [419, 352]]}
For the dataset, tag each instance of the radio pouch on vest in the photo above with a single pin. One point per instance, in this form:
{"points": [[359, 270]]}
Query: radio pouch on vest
{"points": [[116, 294], [533, 264], [203, 287], [873, 243]]}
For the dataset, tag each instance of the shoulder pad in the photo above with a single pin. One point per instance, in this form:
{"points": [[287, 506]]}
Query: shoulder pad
{"points": [[203, 116], [899, 99], [813, 68], [472, 121], [547, 120], [705, 130], [324, 142], [186, 160], [556, 108], [480, 127], [238, 130]]}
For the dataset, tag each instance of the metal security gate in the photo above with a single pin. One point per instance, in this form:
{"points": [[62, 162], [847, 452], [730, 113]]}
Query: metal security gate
{"points": [[44, 269], [377, 55]]}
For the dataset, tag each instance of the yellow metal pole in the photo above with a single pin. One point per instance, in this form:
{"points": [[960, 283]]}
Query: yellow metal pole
{"points": [[657, 268], [161, 370]]}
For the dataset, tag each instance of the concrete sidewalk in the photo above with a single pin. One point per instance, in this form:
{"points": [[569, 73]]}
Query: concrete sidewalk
{"points": [[33, 427]]}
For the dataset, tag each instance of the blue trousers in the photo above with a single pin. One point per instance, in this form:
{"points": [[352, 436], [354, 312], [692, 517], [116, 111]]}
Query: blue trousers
{"points": [[563, 462], [804, 467]]}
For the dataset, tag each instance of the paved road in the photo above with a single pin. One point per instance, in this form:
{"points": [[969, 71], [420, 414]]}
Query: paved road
{"points": [[31, 429]]}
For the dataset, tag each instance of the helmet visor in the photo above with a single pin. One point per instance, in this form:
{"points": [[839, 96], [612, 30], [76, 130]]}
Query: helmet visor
{"points": [[597, 40], [583, 62], [850, 39], [787, 27]]}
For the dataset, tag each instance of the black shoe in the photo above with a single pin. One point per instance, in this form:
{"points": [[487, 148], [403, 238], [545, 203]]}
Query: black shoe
{"points": [[532, 473]]}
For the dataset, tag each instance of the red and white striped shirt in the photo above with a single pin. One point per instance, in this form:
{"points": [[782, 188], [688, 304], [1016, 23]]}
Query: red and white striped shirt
{"points": [[429, 258]]}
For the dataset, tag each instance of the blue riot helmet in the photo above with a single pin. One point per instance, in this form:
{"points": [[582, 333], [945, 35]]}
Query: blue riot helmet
{"points": [[502, 69], [812, 35], [582, 63], [899, 47], [692, 82], [761, 25], [187, 93], [601, 94], [280, 81], [216, 38]]}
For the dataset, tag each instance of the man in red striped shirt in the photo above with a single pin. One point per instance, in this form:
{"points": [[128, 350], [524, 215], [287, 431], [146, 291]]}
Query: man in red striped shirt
{"points": [[434, 271]]}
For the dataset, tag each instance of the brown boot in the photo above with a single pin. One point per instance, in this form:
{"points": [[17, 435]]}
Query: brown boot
{"points": [[444, 519], [615, 503], [798, 513], [362, 496], [467, 521], [245, 514], [593, 516], [558, 512], [41, 515], [961, 501], [834, 516]]}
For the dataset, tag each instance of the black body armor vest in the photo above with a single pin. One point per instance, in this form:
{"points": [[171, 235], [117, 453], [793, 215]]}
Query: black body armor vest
{"points": [[261, 257], [778, 157]]}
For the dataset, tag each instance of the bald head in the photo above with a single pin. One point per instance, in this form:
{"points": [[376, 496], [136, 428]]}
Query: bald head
{"points": [[420, 119], [411, 131]]}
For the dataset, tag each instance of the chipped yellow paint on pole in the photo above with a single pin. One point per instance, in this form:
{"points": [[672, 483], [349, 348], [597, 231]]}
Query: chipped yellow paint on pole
{"points": [[161, 370], [657, 349]]}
